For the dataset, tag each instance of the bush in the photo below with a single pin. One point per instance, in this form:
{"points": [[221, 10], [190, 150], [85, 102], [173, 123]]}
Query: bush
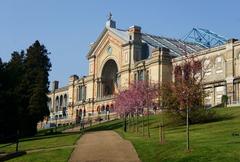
{"points": [[224, 100], [197, 115]]}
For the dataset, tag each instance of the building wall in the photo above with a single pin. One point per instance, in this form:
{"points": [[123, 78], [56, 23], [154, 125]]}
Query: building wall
{"points": [[221, 71], [221, 66]]}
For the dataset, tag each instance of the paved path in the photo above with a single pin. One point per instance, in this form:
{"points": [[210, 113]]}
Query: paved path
{"points": [[103, 146]]}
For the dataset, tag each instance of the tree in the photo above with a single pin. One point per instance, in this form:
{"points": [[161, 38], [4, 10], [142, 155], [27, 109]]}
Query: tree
{"points": [[23, 88], [185, 96], [37, 66], [138, 96], [224, 100], [10, 98]]}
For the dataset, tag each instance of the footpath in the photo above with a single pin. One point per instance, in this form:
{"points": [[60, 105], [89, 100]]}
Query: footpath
{"points": [[103, 146]]}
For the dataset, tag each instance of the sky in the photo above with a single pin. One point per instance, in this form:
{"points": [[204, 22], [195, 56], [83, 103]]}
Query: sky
{"points": [[67, 28]]}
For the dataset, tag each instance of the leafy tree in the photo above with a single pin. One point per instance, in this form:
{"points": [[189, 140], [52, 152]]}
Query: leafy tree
{"points": [[184, 98]]}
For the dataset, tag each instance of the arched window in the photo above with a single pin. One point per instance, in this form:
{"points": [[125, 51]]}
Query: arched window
{"points": [[98, 109], [107, 108], [77, 113], [112, 108], [207, 67], [61, 101], [65, 100], [50, 104], [219, 64], [80, 112], [103, 108], [218, 61], [57, 103]]}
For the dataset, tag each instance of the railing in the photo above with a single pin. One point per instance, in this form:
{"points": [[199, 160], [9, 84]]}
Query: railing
{"points": [[234, 103], [86, 119], [108, 97]]}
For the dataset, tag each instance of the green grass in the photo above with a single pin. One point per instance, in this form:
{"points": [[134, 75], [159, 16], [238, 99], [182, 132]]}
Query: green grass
{"points": [[209, 142], [45, 142], [60, 155]]}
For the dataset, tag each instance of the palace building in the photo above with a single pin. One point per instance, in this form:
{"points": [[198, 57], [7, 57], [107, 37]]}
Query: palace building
{"points": [[118, 57]]}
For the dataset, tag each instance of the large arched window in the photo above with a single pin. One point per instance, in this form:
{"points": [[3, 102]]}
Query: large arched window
{"points": [[109, 78]]}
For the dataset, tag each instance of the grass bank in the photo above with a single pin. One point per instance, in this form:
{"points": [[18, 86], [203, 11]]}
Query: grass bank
{"points": [[52, 147], [213, 141]]}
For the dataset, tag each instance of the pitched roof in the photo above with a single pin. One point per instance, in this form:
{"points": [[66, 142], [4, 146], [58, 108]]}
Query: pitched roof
{"points": [[177, 47]]}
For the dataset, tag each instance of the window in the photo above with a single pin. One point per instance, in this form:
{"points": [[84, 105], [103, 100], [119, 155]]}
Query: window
{"points": [[91, 67], [140, 75], [218, 59], [147, 75], [219, 89], [207, 67], [109, 50], [135, 76], [126, 57], [218, 62], [82, 93]]}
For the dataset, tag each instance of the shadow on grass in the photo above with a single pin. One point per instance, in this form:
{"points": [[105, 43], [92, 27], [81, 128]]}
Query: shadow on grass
{"points": [[111, 125], [53, 135], [12, 155], [39, 137]]}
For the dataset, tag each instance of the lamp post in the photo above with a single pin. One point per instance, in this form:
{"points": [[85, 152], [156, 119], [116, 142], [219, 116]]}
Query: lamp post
{"points": [[90, 120], [56, 117]]}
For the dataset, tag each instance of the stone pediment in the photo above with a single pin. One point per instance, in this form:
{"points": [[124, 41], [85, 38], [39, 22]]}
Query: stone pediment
{"points": [[108, 34]]}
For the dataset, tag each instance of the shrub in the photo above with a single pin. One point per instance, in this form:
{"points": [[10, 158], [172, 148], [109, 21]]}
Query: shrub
{"points": [[196, 115], [224, 100]]}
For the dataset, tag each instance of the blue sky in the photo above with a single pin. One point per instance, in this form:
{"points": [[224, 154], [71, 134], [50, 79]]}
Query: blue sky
{"points": [[67, 28]]}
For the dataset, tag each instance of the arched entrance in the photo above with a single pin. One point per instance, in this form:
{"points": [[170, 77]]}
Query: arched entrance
{"points": [[109, 78]]}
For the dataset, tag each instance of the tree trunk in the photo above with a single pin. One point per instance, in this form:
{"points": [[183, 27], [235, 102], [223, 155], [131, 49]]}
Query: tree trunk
{"points": [[187, 131], [17, 141], [133, 120], [137, 122], [161, 127], [125, 123], [143, 124], [148, 122]]}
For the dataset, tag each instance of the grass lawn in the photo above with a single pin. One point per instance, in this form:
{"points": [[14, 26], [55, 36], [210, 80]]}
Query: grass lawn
{"points": [[60, 155], [209, 142], [45, 142]]}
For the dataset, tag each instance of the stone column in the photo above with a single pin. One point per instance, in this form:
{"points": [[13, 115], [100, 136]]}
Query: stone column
{"points": [[97, 88], [101, 88]]}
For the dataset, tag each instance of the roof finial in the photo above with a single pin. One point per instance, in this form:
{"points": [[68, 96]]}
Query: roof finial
{"points": [[110, 16]]}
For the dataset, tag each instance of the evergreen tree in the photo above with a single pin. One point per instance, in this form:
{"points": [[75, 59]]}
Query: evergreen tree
{"points": [[37, 66], [10, 98], [23, 88]]}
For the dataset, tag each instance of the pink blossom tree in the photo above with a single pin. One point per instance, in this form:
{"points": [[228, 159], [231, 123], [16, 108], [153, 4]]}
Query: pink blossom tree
{"points": [[139, 96]]}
